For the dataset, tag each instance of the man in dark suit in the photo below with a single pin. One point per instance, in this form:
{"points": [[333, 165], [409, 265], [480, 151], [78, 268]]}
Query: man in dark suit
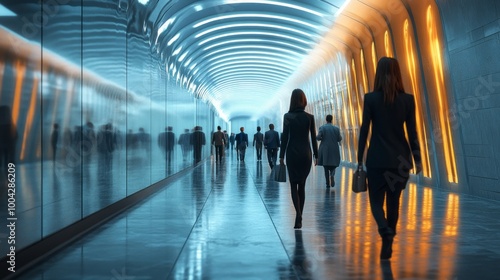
{"points": [[272, 143], [241, 143], [218, 140], [258, 139]]}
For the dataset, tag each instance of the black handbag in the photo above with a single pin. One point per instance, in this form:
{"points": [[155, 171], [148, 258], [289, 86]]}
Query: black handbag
{"points": [[280, 173], [359, 180]]}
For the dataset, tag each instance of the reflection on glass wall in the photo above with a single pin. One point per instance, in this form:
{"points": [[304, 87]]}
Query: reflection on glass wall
{"points": [[92, 112]]}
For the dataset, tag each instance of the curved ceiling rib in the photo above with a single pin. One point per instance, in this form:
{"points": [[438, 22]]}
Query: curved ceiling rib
{"points": [[248, 47]]}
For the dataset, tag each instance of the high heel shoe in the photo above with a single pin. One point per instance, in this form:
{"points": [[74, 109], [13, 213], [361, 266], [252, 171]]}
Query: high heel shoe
{"points": [[386, 250], [387, 239], [298, 222]]}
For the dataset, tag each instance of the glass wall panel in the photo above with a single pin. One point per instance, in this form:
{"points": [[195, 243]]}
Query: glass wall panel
{"points": [[163, 135], [61, 88], [88, 102], [181, 108], [103, 104], [139, 113], [20, 125]]}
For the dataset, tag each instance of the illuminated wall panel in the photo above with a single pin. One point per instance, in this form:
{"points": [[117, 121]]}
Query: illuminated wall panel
{"points": [[441, 95], [412, 70]]}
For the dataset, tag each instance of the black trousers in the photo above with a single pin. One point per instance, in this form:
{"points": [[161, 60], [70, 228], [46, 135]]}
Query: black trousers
{"points": [[259, 152], [219, 150], [386, 185], [329, 172], [272, 155]]}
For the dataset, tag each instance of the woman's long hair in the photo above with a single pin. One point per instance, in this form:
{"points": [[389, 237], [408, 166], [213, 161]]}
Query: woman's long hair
{"points": [[298, 100], [388, 79]]}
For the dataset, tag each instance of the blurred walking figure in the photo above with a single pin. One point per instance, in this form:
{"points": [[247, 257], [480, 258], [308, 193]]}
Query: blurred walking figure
{"points": [[298, 128], [226, 140], [144, 139], [8, 139], [54, 138], [390, 157], [329, 152], [106, 143], [166, 142], [241, 143], [218, 140], [258, 139], [231, 141], [88, 140], [272, 143], [185, 142], [197, 141]]}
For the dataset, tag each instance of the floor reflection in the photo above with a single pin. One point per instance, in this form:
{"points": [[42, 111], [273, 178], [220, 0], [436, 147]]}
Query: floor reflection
{"points": [[229, 221]]}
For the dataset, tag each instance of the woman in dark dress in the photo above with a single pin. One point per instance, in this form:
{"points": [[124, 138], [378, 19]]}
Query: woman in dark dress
{"points": [[389, 159], [298, 128]]}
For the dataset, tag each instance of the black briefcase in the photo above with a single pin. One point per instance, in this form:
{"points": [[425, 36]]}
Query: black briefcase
{"points": [[359, 180]]}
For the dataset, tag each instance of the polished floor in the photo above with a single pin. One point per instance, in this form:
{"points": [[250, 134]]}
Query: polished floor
{"points": [[230, 221]]}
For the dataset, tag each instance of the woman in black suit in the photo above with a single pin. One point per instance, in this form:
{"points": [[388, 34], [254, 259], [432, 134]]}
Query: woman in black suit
{"points": [[298, 127], [390, 157]]}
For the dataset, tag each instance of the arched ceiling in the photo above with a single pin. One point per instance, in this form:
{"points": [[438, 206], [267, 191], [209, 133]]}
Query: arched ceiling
{"points": [[243, 56], [239, 54]]}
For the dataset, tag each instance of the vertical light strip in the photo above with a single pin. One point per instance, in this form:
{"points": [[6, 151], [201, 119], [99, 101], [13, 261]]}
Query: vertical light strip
{"points": [[357, 92], [30, 116], [421, 128], [427, 210], [363, 72], [345, 120], [437, 63], [340, 111], [352, 121], [388, 45], [374, 58], [20, 70]]}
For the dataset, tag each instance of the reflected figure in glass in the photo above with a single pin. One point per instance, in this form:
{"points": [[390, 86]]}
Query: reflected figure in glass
{"points": [[185, 143], [89, 140], [197, 142], [143, 140], [106, 143], [54, 138], [8, 139], [166, 142]]}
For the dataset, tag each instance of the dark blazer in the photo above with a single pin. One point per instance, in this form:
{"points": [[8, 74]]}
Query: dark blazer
{"points": [[272, 139], [241, 140], [298, 128], [388, 145], [258, 138]]}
